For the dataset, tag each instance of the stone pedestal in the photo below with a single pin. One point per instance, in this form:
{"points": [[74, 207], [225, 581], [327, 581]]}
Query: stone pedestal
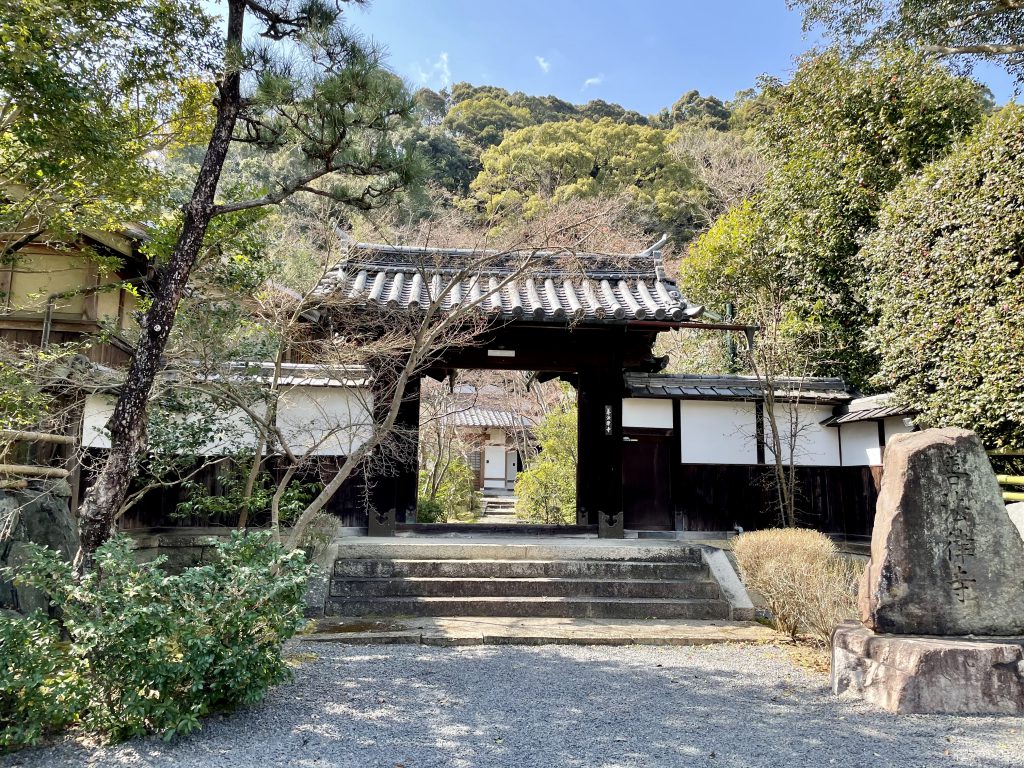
{"points": [[910, 674]]}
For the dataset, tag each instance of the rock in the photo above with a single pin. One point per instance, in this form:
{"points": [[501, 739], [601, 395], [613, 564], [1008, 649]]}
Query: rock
{"points": [[929, 675], [42, 517], [945, 557]]}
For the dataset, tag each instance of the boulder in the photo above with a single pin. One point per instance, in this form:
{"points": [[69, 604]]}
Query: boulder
{"points": [[41, 515], [945, 557], [929, 675]]}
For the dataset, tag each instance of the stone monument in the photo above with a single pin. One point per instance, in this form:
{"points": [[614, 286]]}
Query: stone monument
{"points": [[942, 599]]}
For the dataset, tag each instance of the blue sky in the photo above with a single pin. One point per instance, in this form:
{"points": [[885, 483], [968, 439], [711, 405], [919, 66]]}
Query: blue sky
{"points": [[642, 54]]}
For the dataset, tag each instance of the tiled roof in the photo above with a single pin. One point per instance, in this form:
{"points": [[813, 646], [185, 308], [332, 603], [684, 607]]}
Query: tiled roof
{"points": [[559, 287], [867, 409], [486, 417], [697, 387]]}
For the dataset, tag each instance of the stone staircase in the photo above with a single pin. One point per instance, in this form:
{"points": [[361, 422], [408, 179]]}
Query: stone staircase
{"points": [[572, 580]]}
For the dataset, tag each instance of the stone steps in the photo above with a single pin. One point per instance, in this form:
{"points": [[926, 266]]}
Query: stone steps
{"points": [[593, 607], [512, 569], [523, 587], [523, 578]]}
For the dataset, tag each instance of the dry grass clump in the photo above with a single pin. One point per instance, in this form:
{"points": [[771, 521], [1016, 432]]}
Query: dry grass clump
{"points": [[806, 582]]}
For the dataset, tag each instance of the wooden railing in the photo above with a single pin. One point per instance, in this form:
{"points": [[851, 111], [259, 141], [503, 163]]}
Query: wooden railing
{"points": [[1012, 481], [1008, 482]]}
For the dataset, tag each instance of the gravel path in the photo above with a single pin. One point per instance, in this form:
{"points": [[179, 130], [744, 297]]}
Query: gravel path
{"points": [[415, 706]]}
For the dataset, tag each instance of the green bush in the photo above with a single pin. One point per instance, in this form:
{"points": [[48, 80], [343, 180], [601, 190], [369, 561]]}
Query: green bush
{"points": [[430, 511], [39, 689], [152, 652], [546, 490]]}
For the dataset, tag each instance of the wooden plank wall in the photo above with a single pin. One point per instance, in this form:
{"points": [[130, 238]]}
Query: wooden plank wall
{"points": [[835, 500]]}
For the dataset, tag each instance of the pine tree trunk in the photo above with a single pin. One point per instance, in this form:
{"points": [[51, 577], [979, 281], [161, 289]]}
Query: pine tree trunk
{"points": [[128, 423]]}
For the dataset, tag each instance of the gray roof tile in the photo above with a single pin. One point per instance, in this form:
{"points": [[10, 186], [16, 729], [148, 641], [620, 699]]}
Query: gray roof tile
{"points": [[541, 286]]}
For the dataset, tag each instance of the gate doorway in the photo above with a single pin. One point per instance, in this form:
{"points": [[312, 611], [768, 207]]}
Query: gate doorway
{"points": [[646, 468]]}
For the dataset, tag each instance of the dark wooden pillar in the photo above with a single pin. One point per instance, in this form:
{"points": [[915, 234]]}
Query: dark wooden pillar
{"points": [[599, 469], [396, 484]]}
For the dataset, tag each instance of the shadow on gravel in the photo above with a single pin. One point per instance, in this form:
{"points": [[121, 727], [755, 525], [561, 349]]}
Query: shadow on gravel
{"points": [[414, 707]]}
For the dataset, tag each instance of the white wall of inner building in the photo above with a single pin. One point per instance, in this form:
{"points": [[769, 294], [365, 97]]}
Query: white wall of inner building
{"points": [[645, 413], [805, 442], [323, 421], [860, 444], [894, 426], [717, 432]]}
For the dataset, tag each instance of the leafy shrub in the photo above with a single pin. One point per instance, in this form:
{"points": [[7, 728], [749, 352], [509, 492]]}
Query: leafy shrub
{"points": [[454, 491], [805, 581], [947, 287], [430, 511], [546, 490], [39, 690], [153, 652]]}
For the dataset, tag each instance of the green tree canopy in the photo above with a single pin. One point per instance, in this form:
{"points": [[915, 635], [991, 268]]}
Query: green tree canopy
{"points": [[88, 88], [946, 279], [484, 120], [993, 29], [702, 111], [547, 164], [841, 135]]}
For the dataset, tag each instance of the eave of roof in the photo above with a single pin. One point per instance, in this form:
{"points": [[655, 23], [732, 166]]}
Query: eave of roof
{"points": [[539, 286], [821, 390]]}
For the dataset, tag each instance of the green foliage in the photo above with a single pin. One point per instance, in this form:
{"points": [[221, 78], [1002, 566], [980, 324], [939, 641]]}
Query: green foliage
{"points": [[455, 497], [992, 29], [150, 652], [546, 489], [840, 137], [485, 121], [39, 689], [700, 111], [946, 281], [88, 88], [228, 502], [544, 165], [430, 511]]}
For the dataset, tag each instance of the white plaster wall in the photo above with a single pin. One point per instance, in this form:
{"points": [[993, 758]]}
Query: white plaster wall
{"points": [[860, 444], [234, 427], [717, 433], [646, 413], [335, 420], [96, 413], [327, 421], [816, 445], [894, 426], [496, 436]]}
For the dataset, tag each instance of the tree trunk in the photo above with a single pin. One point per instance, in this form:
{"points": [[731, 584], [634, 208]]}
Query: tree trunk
{"points": [[128, 423]]}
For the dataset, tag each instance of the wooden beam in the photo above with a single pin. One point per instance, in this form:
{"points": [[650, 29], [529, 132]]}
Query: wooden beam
{"points": [[31, 471], [21, 436]]}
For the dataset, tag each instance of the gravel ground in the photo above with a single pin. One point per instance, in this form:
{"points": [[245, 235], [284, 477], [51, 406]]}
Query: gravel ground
{"points": [[415, 706]]}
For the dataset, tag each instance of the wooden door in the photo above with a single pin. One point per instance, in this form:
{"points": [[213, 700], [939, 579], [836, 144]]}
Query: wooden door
{"points": [[647, 481]]}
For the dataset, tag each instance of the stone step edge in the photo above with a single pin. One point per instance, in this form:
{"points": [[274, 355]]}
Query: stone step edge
{"points": [[445, 641], [528, 599], [511, 579], [490, 561]]}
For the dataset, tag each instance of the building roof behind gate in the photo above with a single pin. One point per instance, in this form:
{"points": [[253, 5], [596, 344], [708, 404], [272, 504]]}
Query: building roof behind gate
{"points": [[544, 286], [808, 389]]}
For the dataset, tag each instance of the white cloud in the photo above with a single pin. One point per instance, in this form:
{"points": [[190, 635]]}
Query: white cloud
{"points": [[436, 74], [543, 63], [592, 81]]}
